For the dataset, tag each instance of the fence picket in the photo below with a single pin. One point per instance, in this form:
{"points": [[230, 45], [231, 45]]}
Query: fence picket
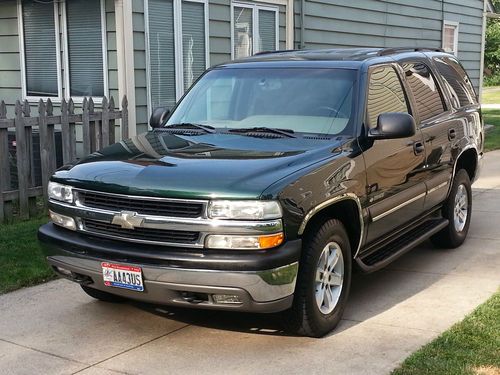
{"points": [[98, 128]]}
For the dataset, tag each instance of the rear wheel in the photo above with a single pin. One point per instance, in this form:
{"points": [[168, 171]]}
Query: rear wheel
{"points": [[457, 209], [323, 282], [102, 296]]}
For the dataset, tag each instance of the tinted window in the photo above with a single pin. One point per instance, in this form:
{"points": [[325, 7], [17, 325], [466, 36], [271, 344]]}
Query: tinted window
{"points": [[385, 94], [424, 89], [457, 81]]}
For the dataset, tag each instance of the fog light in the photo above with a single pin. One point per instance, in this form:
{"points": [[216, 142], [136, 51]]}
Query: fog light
{"points": [[62, 220], [226, 298]]}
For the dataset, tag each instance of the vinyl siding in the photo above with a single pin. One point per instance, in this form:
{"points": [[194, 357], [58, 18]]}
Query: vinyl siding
{"points": [[10, 71], [391, 23], [141, 96]]}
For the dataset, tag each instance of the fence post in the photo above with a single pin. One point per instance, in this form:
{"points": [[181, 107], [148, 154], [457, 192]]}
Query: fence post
{"points": [[66, 146], [72, 130], [86, 127], [124, 117], [5, 207], [22, 162], [47, 146], [105, 122], [111, 121], [93, 127]]}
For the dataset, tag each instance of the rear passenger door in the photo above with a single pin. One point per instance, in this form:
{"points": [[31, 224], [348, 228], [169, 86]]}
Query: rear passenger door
{"points": [[394, 167], [437, 127]]}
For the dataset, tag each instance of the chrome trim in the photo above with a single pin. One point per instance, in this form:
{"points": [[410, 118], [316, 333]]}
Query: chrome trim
{"points": [[466, 148], [203, 225], [331, 201], [399, 206], [440, 186]]}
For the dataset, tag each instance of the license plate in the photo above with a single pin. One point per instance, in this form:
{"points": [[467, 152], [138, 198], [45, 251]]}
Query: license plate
{"points": [[121, 276]]}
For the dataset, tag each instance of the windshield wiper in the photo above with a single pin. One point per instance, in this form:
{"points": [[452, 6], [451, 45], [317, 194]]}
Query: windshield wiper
{"points": [[263, 129], [190, 125]]}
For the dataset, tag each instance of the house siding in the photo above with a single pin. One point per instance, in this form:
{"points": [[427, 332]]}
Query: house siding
{"points": [[366, 23], [10, 70]]}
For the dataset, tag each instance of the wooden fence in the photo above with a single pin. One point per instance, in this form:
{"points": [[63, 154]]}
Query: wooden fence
{"points": [[17, 147]]}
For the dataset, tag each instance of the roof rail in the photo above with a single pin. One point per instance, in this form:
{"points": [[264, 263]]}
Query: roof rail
{"points": [[392, 50], [271, 52]]}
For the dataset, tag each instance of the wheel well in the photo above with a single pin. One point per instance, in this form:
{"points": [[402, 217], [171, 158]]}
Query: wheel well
{"points": [[468, 161], [347, 212]]}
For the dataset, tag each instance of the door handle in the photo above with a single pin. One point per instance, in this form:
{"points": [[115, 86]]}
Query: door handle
{"points": [[451, 134], [418, 147]]}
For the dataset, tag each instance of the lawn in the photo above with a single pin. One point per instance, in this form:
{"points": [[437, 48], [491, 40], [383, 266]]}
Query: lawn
{"points": [[20, 256], [492, 138], [469, 347], [491, 95]]}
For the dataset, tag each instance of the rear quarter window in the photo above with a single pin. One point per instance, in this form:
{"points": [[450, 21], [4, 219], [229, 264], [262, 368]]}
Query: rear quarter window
{"points": [[457, 81]]}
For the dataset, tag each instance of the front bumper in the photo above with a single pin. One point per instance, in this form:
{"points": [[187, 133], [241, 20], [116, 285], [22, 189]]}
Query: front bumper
{"points": [[264, 281]]}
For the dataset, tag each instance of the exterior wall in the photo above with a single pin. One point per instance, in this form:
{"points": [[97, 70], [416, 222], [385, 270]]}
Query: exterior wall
{"points": [[10, 70], [141, 95], [392, 23]]}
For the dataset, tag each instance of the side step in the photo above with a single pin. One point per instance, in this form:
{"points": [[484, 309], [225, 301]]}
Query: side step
{"points": [[392, 250]]}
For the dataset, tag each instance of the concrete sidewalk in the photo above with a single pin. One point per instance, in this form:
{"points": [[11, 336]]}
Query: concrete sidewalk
{"points": [[56, 329]]}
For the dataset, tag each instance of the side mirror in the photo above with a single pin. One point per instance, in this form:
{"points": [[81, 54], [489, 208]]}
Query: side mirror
{"points": [[393, 125], [159, 117]]}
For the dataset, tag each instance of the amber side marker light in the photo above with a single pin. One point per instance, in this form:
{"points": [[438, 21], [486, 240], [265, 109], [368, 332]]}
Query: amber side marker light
{"points": [[269, 241]]}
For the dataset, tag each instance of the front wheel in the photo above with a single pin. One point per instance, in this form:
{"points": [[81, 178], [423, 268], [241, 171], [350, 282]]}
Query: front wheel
{"points": [[323, 282], [457, 209]]}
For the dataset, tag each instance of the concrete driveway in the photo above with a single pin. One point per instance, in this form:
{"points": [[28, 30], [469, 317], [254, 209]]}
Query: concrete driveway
{"points": [[56, 329]]}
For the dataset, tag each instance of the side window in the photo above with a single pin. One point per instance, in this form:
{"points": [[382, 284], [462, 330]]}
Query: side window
{"points": [[385, 94], [458, 82], [425, 90]]}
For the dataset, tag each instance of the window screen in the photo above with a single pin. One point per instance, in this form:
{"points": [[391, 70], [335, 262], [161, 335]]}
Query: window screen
{"points": [[385, 94], [267, 30], [457, 81], [193, 41], [162, 53], [85, 49], [243, 32], [425, 90], [40, 48]]}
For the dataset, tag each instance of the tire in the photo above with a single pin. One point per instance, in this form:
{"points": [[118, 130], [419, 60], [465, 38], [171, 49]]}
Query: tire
{"points": [[455, 233], [102, 296], [306, 316]]}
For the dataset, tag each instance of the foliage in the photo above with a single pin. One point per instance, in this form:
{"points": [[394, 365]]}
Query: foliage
{"points": [[492, 46], [493, 80]]}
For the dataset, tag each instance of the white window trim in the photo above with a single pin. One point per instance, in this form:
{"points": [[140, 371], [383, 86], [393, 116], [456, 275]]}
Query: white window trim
{"points": [[455, 25], [61, 31], [22, 56], [255, 23], [67, 86], [178, 48]]}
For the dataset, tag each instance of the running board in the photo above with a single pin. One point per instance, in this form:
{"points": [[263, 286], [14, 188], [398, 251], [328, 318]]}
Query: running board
{"points": [[392, 250]]}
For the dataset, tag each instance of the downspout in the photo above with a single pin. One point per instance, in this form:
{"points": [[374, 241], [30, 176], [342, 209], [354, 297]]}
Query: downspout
{"points": [[483, 45], [302, 26]]}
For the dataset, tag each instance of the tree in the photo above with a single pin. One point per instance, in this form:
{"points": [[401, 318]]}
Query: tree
{"points": [[492, 46]]}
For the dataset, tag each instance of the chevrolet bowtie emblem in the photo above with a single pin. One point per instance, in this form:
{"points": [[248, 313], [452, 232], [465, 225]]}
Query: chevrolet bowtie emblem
{"points": [[128, 220]]}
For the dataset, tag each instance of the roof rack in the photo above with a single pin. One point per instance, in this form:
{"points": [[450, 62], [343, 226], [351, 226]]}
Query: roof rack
{"points": [[272, 52], [390, 51]]}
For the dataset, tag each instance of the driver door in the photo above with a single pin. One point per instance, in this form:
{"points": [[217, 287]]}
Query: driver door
{"points": [[394, 167]]}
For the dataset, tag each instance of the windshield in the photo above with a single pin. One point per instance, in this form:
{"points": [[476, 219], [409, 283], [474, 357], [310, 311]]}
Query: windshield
{"points": [[302, 100]]}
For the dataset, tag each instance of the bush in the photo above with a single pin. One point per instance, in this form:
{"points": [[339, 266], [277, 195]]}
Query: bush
{"points": [[493, 80]]}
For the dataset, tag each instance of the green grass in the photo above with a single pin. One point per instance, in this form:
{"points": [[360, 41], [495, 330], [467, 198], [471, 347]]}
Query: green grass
{"points": [[21, 259], [491, 95], [466, 348], [492, 137]]}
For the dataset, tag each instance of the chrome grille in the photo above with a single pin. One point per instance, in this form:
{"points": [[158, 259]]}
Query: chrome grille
{"points": [[141, 205], [139, 234]]}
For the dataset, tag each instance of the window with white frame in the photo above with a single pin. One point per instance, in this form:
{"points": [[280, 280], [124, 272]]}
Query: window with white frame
{"points": [[450, 37], [255, 28], [83, 57], [177, 47]]}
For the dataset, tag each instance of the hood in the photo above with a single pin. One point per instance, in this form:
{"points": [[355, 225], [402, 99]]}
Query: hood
{"points": [[158, 163]]}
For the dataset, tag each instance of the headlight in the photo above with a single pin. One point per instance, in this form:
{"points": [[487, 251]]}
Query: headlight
{"points": [[220, 241], [60, 192], [62, 220], [244, 210]]}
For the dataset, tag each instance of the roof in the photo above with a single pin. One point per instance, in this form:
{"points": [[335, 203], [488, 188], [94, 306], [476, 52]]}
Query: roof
{"points": [[338, 57]]}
